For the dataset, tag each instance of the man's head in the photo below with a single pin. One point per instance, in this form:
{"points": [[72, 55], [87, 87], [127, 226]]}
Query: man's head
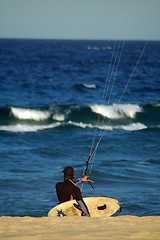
{"points": [[68, 173]]}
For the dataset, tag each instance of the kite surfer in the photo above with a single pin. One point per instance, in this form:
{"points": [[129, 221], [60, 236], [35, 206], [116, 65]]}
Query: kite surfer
{"points": [[67, 190]]}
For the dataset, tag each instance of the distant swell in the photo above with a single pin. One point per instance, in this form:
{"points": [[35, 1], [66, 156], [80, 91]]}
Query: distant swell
{"points": [[93, 86], [127, 117], [87, 86]]}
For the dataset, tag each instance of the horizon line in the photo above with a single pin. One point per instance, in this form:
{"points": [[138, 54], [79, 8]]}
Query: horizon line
{"points": [[77, 39]]}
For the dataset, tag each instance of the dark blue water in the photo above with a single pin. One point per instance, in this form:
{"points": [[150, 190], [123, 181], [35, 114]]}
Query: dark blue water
{"points": [[52, 109]]}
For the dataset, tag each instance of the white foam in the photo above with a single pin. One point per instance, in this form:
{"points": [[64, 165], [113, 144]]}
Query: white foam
{"points": [[89, 125], [81, 125], [93, 48], [132, 127], [28, 128], [59, 117], [117, 111], [30, 114], [99, 48], [157, 105], [92, 86]]}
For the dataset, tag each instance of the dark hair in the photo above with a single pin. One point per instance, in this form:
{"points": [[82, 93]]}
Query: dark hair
{"points": [[68, 173]]}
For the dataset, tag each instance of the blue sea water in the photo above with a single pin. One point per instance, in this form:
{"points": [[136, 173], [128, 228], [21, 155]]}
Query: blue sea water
{"points": [[56, 99]]}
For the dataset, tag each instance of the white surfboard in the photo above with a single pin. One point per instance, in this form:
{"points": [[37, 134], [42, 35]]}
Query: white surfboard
{"points": [[97, 206]]}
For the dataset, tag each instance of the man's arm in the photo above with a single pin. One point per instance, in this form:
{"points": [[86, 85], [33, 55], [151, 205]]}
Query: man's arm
{"points": [[83, 207], [80, 201]]}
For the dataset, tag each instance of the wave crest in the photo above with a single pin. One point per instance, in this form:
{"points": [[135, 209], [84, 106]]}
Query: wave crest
{"points": [[117, 111], [29, 114]]}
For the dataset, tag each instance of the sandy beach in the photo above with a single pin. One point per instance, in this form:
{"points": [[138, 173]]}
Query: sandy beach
{"points": [[122, 227]]}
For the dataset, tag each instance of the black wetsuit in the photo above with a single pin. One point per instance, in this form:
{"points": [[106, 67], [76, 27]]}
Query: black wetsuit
{"points": [[67, 191]]}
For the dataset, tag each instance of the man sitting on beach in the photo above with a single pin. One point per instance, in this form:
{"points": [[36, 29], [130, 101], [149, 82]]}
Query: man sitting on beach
{"points": [[68, 190]]}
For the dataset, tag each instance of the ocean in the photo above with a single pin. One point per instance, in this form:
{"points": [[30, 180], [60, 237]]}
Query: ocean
{"points": [[57, 98]]}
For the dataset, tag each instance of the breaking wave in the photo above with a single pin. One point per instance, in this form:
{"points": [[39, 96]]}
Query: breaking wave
{"points": [[87, 86], [117, 111], [127, 117], [28, 128], [30, 114]]}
